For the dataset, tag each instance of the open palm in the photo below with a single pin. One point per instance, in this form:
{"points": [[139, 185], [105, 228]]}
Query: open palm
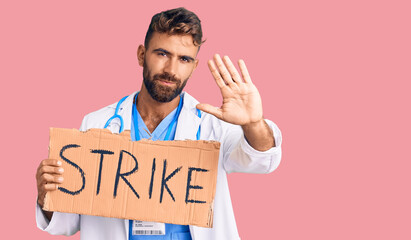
{"points": [[241, 99]]}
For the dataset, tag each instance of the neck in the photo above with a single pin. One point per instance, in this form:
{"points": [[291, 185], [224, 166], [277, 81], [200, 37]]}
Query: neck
{"points": [[153, 112]]}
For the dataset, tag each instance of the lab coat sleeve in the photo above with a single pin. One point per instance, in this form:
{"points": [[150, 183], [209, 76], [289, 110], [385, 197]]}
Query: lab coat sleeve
{"points": [[61, 223], [239, 156]]}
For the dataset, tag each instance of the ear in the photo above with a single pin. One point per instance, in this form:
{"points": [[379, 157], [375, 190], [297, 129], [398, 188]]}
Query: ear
{"points": [[140, 54]]}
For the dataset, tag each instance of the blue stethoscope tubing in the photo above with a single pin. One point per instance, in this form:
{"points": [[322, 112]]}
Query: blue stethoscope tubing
{"points": [[117, 116], [137, 136]]}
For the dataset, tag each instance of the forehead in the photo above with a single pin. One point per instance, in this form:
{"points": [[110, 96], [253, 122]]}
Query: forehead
{"points": [[175, 44]]}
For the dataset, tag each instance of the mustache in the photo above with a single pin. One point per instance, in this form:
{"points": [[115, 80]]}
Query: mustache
{"points": [[166, 76]]}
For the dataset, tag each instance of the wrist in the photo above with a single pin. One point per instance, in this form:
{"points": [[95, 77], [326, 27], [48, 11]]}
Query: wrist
{"points": [[40, 203], [254, 125], [259, 135]]}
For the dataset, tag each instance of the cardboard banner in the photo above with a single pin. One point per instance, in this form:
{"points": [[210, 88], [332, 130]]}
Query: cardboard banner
{"points": [[109, 175]]}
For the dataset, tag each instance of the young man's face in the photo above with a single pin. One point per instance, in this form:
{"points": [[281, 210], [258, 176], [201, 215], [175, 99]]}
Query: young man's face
{"points": [[167, 63]]}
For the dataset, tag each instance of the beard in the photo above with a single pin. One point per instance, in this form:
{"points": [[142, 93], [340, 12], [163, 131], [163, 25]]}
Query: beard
{"points": [[159, 92]]}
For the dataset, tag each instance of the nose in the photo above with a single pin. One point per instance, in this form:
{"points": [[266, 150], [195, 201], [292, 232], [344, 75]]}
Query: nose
{"points": [[171, 67]]}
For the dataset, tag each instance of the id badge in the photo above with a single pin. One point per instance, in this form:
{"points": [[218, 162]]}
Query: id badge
{"points": [[148, 228]]}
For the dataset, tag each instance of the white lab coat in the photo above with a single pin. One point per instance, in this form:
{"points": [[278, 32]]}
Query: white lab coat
{"points": [[236, 155]]}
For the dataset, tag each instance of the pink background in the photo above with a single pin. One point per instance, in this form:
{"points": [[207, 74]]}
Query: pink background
{"points": [[334, 75]]}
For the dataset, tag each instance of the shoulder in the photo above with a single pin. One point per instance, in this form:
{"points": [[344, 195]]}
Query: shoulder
{"points": [[98, 118]]}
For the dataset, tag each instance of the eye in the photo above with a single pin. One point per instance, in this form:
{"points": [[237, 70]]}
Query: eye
{"points": [[185, 59], [161, 54]]}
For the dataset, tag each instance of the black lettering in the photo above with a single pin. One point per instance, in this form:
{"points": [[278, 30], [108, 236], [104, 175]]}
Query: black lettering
{"points": [[189, 186], [75, 166], [123, 175], [153, 169], [102, 152], [164, 181]]}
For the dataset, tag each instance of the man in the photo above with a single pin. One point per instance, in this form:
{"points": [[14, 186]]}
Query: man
{"points": [[248, 142]]}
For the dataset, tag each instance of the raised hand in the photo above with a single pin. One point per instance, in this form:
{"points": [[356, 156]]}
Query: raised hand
{"points": [[241, 99]]}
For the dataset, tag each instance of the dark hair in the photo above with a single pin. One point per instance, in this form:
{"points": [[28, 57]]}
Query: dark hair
{"points": [[176, 21]]}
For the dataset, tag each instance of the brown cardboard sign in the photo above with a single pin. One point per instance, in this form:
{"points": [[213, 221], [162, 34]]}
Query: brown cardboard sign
{"points": [[109, 175]]}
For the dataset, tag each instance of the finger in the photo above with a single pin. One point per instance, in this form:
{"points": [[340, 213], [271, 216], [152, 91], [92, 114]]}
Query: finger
{"points": [[244, 71], [50, 187], [50, 169], [216, 75], [223, 70], [51, 162], [232, 70], [49, 178], [210, 109], [47, 162]]}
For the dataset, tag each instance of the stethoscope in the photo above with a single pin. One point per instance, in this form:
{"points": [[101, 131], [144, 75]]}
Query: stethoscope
{"points": [[137, 135]]}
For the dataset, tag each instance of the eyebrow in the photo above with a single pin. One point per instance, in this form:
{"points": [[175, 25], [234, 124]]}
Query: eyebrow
{"points": [[169, 53]]}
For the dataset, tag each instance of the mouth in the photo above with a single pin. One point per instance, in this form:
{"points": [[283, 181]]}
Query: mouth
{"points": [[166, 82]]}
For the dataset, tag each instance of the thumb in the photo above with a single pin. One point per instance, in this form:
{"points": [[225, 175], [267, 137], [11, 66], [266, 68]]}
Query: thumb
{"points": [[210, 109]]}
